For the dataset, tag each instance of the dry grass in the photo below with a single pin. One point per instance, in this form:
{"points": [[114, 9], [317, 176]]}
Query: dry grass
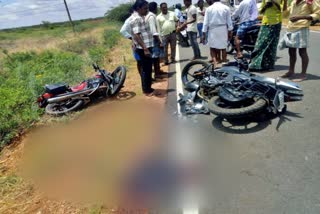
{"points": [[18, 195]]}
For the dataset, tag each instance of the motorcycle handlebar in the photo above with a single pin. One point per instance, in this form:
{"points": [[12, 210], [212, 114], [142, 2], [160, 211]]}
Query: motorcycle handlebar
{"points": [[95, 66]]}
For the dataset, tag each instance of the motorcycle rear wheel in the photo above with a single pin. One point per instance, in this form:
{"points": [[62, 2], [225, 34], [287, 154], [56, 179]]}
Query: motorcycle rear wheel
{"points": [[188, 71], [58, 109], [119, 76], [219, 108]]}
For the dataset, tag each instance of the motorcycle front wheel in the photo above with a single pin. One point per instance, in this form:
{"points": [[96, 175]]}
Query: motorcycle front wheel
{"points": [[222, 109], [193, 68], [119, 76], [58, 109]]}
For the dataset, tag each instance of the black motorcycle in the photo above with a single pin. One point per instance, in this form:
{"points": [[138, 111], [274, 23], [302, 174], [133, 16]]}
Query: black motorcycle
{"points": [[232, 92], [248, 42]]}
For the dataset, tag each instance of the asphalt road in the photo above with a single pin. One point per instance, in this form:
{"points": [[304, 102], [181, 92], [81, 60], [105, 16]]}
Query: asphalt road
{"points": [[266, 166]]}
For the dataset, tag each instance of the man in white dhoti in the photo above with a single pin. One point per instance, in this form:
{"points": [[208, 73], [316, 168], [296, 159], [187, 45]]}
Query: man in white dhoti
{"points": [[218, 25]]}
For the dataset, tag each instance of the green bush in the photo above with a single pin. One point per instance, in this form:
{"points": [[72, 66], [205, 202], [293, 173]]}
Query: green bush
{"points": [[111, 38], [96, 54], [119, 13]]}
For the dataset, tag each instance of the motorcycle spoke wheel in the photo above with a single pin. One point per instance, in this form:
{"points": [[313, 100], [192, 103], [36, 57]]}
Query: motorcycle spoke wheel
{"points": [[58, 109], [188, 74], [119, 76]]}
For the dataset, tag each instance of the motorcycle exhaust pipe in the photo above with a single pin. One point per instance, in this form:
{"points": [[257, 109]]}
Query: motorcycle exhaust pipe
{"points": [[72, 94]]}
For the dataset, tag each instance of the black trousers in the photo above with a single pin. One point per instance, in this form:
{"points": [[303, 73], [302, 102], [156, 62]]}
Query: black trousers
{"points": [[145, 65]]}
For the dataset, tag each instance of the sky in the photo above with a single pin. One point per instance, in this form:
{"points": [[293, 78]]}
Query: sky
{"points": [[17, 13]]}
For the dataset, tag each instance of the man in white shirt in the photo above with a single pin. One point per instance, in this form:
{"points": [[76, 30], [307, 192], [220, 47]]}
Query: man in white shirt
{"points": [[247, 13], [200, 17], [191, 24], [218, 25], [151, 18], [127, 33]]}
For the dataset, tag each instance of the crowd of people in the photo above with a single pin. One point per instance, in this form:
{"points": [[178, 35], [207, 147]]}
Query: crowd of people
{"points": [[152, 33]]}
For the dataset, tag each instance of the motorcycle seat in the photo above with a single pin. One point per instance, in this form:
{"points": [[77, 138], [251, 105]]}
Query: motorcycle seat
{"points": [[56, 88]]}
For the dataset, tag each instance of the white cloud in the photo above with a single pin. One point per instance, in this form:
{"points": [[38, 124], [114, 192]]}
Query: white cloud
{"points": [[16, 13]]}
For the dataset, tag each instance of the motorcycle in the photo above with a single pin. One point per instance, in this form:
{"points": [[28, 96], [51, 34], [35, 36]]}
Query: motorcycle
{"points": [[233, 92], [60, 99], [248, 42]]}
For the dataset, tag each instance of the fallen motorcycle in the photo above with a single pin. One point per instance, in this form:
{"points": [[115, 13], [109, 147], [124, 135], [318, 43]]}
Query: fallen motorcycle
{"points": [[232, 92], [60, 99]]}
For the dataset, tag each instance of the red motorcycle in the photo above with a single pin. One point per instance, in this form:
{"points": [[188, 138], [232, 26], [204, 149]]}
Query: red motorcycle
{"points": [[60, 99]]}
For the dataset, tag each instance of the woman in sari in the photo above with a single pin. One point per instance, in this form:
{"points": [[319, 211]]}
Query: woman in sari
{"points": [[264, 54]]}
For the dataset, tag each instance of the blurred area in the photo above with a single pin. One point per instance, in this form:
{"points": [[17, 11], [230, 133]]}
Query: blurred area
{"points": [[88, 159]]}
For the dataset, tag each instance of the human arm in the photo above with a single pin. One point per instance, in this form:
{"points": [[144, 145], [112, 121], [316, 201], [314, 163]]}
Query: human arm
{"points": [[126, 30], [193, 11], [314, 10], [136, 30], [138, 39], [205, 28]]}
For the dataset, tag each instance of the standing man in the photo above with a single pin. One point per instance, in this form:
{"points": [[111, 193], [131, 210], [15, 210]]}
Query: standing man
{"points": [[151, 18], [191, 24], [247, 13], [127, 33], [302, 12], [218, 25], [168, 22], [143, 39], [200, 17]]}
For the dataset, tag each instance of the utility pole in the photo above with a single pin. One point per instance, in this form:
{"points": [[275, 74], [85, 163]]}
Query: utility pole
{"points": [[65, 3]]}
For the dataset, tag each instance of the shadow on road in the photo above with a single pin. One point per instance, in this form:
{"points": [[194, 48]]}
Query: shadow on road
{"points": [[124, 95], [286, 117], [312, 77], [252, 124]]}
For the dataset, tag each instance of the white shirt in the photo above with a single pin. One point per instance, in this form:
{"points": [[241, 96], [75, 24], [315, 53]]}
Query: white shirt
{"points": [[126, 28], [179, 15], [191, 10], [151, 18], [200, 17], [247, 11], [217, 15]]}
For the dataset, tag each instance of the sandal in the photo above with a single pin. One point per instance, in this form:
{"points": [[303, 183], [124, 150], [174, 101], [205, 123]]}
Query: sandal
{"points": [[287, 75], [299, 78]]}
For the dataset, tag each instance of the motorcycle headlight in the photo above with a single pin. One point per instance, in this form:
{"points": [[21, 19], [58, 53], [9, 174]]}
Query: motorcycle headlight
{"points": [[295, 92]]}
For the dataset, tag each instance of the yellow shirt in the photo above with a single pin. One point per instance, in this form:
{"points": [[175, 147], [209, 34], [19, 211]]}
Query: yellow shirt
{"points": [[272, 15], [167, 23], [303, 9]]}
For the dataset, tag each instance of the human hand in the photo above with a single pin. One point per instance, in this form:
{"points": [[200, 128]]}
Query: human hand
{"points": [[147, 52], [229, 35], [203, 39], [294, 18]]}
